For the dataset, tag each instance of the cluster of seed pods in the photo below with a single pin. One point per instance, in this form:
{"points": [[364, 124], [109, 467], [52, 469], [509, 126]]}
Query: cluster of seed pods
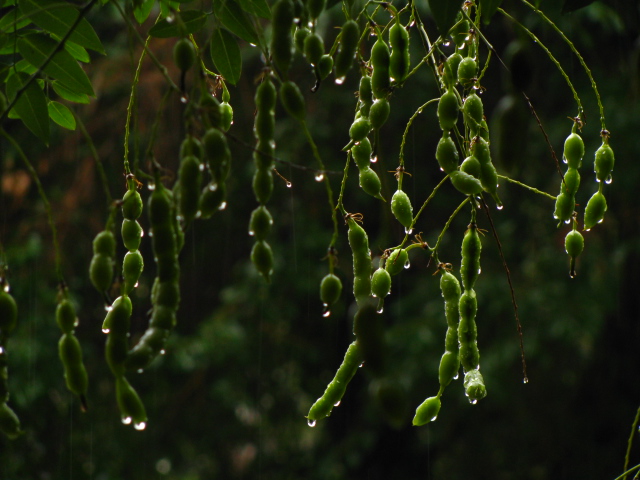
{"points": [[9, 421]]}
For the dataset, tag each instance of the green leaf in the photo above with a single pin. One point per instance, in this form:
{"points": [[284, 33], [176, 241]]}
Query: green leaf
{"points": [[489, 8], [57, 18], [192, 21], [167, 7], [444, 13], [31, 106], [67, 94], [226, 56], [231, 16], [37, 48], [26, 67], [573, 5], [259, 8], [76, 51], [143, 11], [60, 114], [12, 21]]}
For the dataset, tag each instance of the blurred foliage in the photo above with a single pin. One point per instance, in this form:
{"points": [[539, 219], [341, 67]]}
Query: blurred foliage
{"points": [[247, 359]]}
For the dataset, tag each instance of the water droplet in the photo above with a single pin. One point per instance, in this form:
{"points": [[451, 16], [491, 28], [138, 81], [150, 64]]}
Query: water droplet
{"points": [[608, 180], [412, 24], [380, 309], [213, 187], [184, 99], [434, 419], [525, 380], [564, 159], [163, 351], [337, 404], [252, 44], [1, 350], [222, 206], [141, 233], [326, 313], [588, 230], [108, 308], [310, 24], [408, 231], [198, 214], [289, 185], [136, 285], [473, 401], [319, 177], [361, 365], [462, 45], [407, 264], [6, 288], [105, 330], [311, 423], [567, 221], [180, 218], [170, 18], [598, 180], [251, 233], [340, 81], [555, 217], [126, 420], [601, 220], [202, 167], [479, 271], [374, 159], [140, 426], [140, 370], [500, 207], [467, 38], [456, 377]]}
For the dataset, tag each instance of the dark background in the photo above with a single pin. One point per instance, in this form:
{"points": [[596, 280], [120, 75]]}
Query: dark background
{"points": [[247, 359]]}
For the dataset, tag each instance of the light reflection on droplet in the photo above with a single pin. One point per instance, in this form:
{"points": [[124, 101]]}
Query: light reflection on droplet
{"points": [[340, 81], [311, 423], [326, 313], [140, 426], [126, 420], [374, 159], [608, 180], [289, 185], [407, 264], [319, 177], [337, 404], [163, 351], [222, 206], [500, 207], [105, 330]]}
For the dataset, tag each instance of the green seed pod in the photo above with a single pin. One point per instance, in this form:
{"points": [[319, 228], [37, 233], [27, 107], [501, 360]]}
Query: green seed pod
{"points": [[117, 319], [467, 330], [488, 174], [471, 165], [473, 112], [427, 411], [217, 153], [397, 261], [71, 357], [8, 312], [471, 249], [132, 267], [573, 150], [131, 407], [449, 366], [474, 386], [349, 38], [467, 71], [379, 113], [450, 75], [263, 185], [300, 36], [77, 380], [359, 243], [212, 199], [9, 422], [262, 258], [281, 39], [264, 155], [603, 165], [160, 207], [164, 241], [565, 205], [381, 283], [101, 272], [448, 108], [264, 126], [266, 95], [324, 66], [573, 244], [484, 130], [226, 112], [184, 54], [131, 234], [335, 390], [365, 94], [189, 146], [105, 244], [189, 179], [447, 154], [361, 153], [330, 289], [313, 48], [571, 182], [459, 33], [359, 129], [211, 110], [166, 294], [595, 210], [358, 239], [131, 205], [380, 60], [65, 315], [450, 288], [370, 182], [162, 318], [369, 331], [292, 100], [260, 223], [401, 208], [465, 183], [399, 61]]}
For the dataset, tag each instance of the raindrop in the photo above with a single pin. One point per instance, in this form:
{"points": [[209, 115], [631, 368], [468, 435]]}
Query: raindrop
{"points": [[462, 45], [412, 24], [609, 179], [319, 177], [311, 423], [136, 285], [6, 288], [340, 81], [473, 401], [446, 44], [407, 264], [213, 187], [253, 45], [380, 309], [105, 330], [180, 218], [337, 404], [198, 214], [567, 221], [525, 380], [140, 370], [588, 230], [601, 220], [479, 271], [500, 207], [408, 231], [1, 350], [252, 233], [456, 377], [310, 24], [202, 167], [140, 426], [222, 206], [141, 233], [108, 308], [555, 217], [126, 420], [326, 313], [184, 99], [163, 351], [564, 159], [289, 184], [360, 366], [374, 159], [170, 19], [434, 419], [598, 180]]}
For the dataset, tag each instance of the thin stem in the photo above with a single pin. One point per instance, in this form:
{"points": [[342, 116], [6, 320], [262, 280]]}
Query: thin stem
{"points": [[551, 57], [634, 429], [574, 50], [624, 475], [154, 130], [409, 123], [96, 157], [424, 205], [446, 225], [43, 197], [524, 185], [345, 174]]}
